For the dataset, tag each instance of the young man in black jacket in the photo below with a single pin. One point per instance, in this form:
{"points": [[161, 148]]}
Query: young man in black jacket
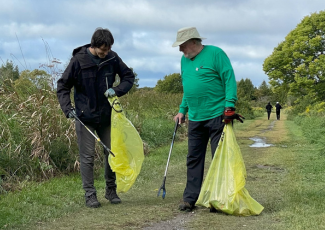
{"points": [[91, 72]]}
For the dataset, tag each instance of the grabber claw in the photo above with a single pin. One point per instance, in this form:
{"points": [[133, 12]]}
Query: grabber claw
{"points": [[162, 188]]}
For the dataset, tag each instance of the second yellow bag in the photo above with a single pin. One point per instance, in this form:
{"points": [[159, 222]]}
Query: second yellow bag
{"points": [[224, 185]]}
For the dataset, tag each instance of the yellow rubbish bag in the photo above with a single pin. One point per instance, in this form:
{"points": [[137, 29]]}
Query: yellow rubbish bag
{"points": [[127, 146], [224, 185]]}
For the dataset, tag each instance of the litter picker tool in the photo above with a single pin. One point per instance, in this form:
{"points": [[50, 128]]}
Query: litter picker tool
{"points": [[162, 187], [97, 138]]}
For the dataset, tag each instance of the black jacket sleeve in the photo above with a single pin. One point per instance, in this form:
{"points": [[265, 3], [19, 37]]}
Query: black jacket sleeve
{"points": [[64, 85], [126, 78]]}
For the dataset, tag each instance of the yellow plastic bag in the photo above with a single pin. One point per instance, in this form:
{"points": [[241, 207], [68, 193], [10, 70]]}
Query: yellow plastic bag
{"points": [[224, 185], [127, 146]]}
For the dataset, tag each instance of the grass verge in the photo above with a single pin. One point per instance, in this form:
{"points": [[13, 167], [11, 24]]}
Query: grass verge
{"points": [[59, 203], [286, 179]]}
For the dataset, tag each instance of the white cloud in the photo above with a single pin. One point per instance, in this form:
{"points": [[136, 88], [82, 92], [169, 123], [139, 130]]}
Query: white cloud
{"points": [[144, 30]]}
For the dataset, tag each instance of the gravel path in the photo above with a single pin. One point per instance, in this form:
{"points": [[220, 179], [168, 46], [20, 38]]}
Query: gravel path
{"points": [[177, 223]]}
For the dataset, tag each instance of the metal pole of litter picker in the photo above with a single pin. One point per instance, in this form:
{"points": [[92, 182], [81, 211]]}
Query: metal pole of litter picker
{"points": [[162, 187], [97, 138]]}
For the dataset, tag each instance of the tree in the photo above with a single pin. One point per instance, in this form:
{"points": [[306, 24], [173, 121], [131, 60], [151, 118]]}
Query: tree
{"points": [[264, 89], [297, 64], [30, 82], [264, 92], [171, 83], [246, 89], [9, 71]]}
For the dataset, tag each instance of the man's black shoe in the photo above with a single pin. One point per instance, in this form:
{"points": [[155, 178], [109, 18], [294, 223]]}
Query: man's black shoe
{"points": [[185, 206], [92, 202], [214, 210], [112, 196]]}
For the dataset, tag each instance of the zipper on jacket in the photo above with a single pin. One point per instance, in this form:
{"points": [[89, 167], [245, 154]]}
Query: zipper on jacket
{"points": [[99, 66], [105, 61]]}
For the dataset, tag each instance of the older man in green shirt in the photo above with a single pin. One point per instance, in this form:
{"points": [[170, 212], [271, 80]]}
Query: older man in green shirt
{"points": [[210, 94]]}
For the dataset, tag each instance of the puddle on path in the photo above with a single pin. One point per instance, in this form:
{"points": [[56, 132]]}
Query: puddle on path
{"points": [[259, 143]]}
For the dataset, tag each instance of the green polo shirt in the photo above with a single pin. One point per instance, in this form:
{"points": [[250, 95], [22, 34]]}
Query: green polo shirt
{"points": [[209, 84]]}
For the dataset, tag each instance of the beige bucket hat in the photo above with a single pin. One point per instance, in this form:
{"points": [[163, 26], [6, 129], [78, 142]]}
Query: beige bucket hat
{"points": [[185, 34]]}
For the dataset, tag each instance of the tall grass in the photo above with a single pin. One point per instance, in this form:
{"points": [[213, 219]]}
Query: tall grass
{"points": [[38, 142], [35, 139], [313, 129]]}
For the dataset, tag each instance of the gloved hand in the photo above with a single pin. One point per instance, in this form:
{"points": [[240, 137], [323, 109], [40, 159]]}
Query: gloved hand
{"points": [[72, 113], [229, 115], [110, 93]]}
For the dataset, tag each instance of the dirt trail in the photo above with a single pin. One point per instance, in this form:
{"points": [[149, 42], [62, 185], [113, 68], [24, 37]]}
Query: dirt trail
{"points": [[177, 223]]}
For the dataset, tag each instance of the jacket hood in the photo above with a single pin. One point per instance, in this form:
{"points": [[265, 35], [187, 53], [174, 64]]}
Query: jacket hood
{"points": [[81, 49]]}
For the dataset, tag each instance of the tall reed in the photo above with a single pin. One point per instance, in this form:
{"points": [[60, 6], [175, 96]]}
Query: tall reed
{"points": [[38, 142]]}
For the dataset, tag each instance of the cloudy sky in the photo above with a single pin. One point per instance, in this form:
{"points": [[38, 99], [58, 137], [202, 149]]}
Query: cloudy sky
{"points": [[144, 31]]}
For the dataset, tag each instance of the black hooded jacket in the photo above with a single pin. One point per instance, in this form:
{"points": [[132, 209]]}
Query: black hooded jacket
{"points": [[268, 107], [90, 81], [278, 107]]}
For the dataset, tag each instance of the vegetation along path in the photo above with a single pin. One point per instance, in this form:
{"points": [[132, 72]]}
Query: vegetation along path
{"points": [[286, 178]]}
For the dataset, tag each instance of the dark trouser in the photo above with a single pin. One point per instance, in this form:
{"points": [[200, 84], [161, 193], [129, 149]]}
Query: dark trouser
{"points": [[278, 114], [268, 115], [86, 144], [199, 133]]}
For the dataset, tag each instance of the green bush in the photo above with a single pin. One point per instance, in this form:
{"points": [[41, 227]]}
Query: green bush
{"points": [[61, 154], [157, 131], [171, 83], [244, 108], [152, 115]]}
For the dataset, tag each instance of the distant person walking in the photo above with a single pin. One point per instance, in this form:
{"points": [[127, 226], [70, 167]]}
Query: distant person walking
{"points": [[277, 110], [268, 110]]}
